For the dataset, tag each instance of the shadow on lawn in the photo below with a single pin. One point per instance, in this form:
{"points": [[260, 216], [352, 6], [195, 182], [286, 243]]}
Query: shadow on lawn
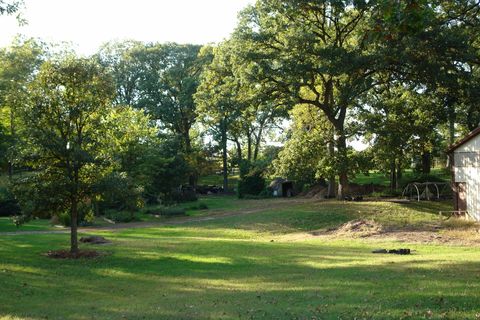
{"points": [[234, 279]]}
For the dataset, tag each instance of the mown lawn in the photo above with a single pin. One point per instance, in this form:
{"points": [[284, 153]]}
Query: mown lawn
{"points": [[217, 180], [7, 225], [230, 269], [379, 178], [214, 203]]}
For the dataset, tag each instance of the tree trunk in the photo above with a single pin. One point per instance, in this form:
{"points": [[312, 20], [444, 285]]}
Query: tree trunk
{"points": [[331, 193], [13, 134], [451, 128], [192, 178], [393, 175], [426, 162], [239, 150], [74, 227], [399, 173], [258, 141], [343, 165], [224, 156], [249, 147]]}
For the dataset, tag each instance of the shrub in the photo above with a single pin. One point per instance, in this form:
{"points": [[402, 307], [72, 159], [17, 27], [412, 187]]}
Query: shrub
{"points": [[85, 216], [88, 219], [172, 211], [121, 216], [200, 206], [8, 204], [152, 210], [251, 184], [64, 219], [119, 191], [20, 220], [40, 195], [182, 195]]}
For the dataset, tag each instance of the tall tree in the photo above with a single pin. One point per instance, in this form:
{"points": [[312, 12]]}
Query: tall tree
{"points": [[169, 79], [218, 99], [317, 53], [122, 59], [18, 64]]}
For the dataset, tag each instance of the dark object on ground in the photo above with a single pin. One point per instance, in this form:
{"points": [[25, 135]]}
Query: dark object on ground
{"points": [[380, 251], [66, 254], [354, 198], [204, 189], [94, 240], [393, 251]]}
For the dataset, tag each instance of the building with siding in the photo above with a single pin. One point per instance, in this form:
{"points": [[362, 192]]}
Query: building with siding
{"points": [[465, 159]]}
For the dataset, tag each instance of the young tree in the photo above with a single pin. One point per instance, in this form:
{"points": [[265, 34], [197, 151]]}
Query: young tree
{"points": [[65, 126]]}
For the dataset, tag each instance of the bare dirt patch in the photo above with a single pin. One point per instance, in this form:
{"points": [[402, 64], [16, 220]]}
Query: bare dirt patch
{"points": [[355, 228], [371, 230], [81, 254]]}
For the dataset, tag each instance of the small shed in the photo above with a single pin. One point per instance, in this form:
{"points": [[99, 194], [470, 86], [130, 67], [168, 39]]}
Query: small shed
{"points": [[465, 160], [281, 188]]}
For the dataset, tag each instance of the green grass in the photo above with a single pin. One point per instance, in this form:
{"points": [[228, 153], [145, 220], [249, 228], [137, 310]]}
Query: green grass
{"points": [[6, 225], [379, 178], [229, 269], [215, 204], [217, 180], [301, 217]]}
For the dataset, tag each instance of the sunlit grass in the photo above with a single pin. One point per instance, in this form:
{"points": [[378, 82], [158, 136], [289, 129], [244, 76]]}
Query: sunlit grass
{"points": [[230, 268]]}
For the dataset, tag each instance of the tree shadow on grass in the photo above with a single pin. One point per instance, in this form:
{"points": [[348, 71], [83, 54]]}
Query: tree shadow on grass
{"points": [[235, 279]]}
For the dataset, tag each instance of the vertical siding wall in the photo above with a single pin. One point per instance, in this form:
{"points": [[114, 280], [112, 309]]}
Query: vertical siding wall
{"points": [[467, 169]]}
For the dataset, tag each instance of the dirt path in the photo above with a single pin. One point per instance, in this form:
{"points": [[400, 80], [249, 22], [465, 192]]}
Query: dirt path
{"points": [[214, 215]]}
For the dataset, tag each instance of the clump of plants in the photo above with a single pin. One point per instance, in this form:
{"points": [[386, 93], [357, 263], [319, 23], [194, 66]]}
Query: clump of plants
{"points": [[252, 184], [200, 206], [20, 219], [172, 211], [121, 216], [8, 204]]}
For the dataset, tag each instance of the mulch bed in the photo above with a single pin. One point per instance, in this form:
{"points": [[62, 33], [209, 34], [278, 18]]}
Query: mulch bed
{"points": [[81, 254]]}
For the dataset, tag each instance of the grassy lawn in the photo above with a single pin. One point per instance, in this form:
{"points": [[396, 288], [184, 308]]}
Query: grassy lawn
{"points": [[214, 203], [382, 179], [217, 180], [6, 225], [229, 269]]}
